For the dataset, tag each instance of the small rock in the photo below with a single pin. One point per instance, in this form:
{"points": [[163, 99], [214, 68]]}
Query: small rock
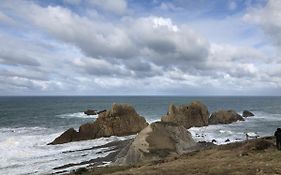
{"points": [[247, 114], [91, 112]]}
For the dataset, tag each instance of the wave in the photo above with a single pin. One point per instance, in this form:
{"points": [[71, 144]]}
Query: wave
{"points": [[264, 124], [28, 152], [76, 115]]}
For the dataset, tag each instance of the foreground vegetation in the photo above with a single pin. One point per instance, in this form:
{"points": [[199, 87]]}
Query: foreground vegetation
{"points": [[257, 156]]}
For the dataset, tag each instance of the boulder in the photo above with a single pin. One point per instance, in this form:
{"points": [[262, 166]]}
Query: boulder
{"points": [[120, 120], [159, 140], [247, 114], [224, 117], [90, 112], [68, 136], [194, 114]]}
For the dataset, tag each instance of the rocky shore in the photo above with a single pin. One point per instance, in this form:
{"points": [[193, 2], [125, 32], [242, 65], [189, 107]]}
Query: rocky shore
{"points": [[257, 156], [160, 141]]}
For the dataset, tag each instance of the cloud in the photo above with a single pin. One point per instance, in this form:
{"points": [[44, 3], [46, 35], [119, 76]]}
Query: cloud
{"points": [[268, 18], [96, 39], [153, 38], [100, 67], [56, 49], [15, 53]]}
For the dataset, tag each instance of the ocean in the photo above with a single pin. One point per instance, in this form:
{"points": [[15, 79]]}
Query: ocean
{"points": [[27, 124]]}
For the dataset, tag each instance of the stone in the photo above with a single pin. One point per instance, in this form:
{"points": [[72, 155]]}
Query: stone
{"points": [[224, 117], [120, 120], [247, 114], [90, 112], [68, 136], [194, 114], [158, 141]]}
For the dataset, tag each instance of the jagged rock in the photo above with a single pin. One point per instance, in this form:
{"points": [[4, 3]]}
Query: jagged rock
{"points": [[90, 112], [157, 141], [194, 114], [224, 117], [247, 114], [68, 136], [120, 120]]}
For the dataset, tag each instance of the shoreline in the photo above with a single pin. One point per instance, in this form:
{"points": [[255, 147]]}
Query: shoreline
{"points": [[114, 149], [255, 155]]}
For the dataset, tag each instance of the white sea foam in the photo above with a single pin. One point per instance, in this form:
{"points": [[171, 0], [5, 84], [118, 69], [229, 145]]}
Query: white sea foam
{"points": [[262, 123], [76, 115], [25, 150], [28, 152]]}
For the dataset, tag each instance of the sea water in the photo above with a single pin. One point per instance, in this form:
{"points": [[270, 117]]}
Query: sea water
{"points": [[28, 124]]}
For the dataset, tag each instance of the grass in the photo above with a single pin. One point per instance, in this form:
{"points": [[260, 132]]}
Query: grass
{"points": [[245, 158]]}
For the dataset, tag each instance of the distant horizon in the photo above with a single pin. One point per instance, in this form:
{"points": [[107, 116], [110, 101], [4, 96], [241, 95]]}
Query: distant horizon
{"points": [[127, 47], [139, 96]]}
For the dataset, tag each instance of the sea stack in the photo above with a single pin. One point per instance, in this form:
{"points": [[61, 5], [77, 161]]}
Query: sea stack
{"points": [[225, 117], [120, 120], [194, 114]]}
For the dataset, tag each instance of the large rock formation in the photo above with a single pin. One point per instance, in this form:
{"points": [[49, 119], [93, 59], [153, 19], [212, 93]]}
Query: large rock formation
{"points": [[157, 141], [120, 120], [194, 114], [247, 114], [224, 117]]}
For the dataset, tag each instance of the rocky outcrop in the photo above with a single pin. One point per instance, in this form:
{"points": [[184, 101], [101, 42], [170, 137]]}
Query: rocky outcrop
{"points": [[93, 112], [120, 120], [224, 117], [90, 112], [194, 114], [68, 136], [247, 114], [157, 141]]}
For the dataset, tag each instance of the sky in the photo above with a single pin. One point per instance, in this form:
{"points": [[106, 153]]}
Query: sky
{"points": [[140, 47]]}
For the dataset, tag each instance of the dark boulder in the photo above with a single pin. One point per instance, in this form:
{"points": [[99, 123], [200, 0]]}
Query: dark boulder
{"points": [[247, 114], [68, 136], [90, 112]]}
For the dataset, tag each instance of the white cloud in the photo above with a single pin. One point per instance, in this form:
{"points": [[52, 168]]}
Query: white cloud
{"points": [[269, 18], [62, 51]]}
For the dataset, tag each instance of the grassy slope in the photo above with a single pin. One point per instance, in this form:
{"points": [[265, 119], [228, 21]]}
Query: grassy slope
{"points": [[235, 158]]}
